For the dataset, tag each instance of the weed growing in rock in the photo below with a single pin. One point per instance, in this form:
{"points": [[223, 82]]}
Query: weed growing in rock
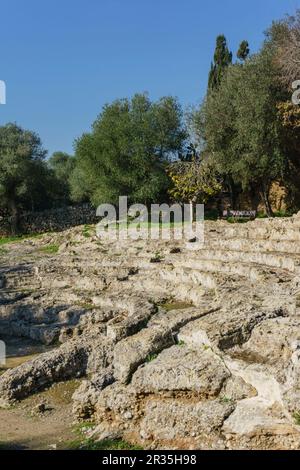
{"points": [[86, 231], [157, 258], [296, 417], [224, 399], [151, 357], [50, 249]]}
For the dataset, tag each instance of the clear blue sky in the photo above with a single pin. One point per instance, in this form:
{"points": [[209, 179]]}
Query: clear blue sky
{"points": [[63, 59]]}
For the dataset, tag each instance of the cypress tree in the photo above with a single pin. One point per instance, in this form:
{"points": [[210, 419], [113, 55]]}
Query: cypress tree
{"points": [[243, 51], [222, 58]]}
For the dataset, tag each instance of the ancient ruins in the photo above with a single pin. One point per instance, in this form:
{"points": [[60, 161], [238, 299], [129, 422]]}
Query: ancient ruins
{"points": [[175, 348]]}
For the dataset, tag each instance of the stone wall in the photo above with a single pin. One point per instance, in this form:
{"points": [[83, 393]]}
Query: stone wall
{"points": [[277, 197], [51, 220]]}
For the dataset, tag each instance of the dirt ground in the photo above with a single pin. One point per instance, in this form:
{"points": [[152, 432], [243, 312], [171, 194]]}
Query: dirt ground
{"points": [[25, 427]]}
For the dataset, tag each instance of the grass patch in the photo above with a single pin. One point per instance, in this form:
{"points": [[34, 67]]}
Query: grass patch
{"points": [[151, 357], [108, 444], [283, 214], [262, 215], [225, 399], [6, 240], [175, 305], [296, 417], [50, 249], [83, 443], [86, 232], [86, 306], [19, 238], [59, 393], [3, 251]]}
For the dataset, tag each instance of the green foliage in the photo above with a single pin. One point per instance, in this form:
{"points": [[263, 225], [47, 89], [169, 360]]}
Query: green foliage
{"points": [[261, 215], [222, 58], [107, 444], [50, 249], [289, 117], [243, 51], [85, 443], [296, 417], [151, 357], [127, 150], [5, 240], [247, 126], [175, 305], [211, 214], [241, 125], [282, 214], [19, 238], [224, 399], [86, 232], [193, 181], [62, 165], [23, 172], [86, 306]]}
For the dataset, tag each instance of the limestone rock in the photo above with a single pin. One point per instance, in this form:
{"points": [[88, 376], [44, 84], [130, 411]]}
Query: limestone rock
{"points": [[87, 395], [174, 420], [200, 350], [180, 368], [130, 352]]}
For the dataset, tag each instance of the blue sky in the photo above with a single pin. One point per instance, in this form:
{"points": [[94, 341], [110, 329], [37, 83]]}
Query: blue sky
{"points": [[63, 59]]}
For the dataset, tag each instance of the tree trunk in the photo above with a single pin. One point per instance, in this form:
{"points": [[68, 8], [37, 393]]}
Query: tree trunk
{"points": [[265, 197], [254, 197], [14, 217], [232, 193], [219, 207]]}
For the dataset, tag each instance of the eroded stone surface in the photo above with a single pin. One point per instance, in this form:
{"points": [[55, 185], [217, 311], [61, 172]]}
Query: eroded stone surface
{"points": [[178, 420], [180, 368], [199, 349]]}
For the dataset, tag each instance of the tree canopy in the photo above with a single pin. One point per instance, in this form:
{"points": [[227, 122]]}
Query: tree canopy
{"points": [[241, 126], [127, 150], [23, 170], [62, 165], [193, 181], [243, 51], [245, 136], [222, 58]]}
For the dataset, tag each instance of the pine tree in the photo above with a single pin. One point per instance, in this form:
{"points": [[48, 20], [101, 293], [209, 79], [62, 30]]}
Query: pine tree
{"points": [[243, 51], [222, 58]]}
